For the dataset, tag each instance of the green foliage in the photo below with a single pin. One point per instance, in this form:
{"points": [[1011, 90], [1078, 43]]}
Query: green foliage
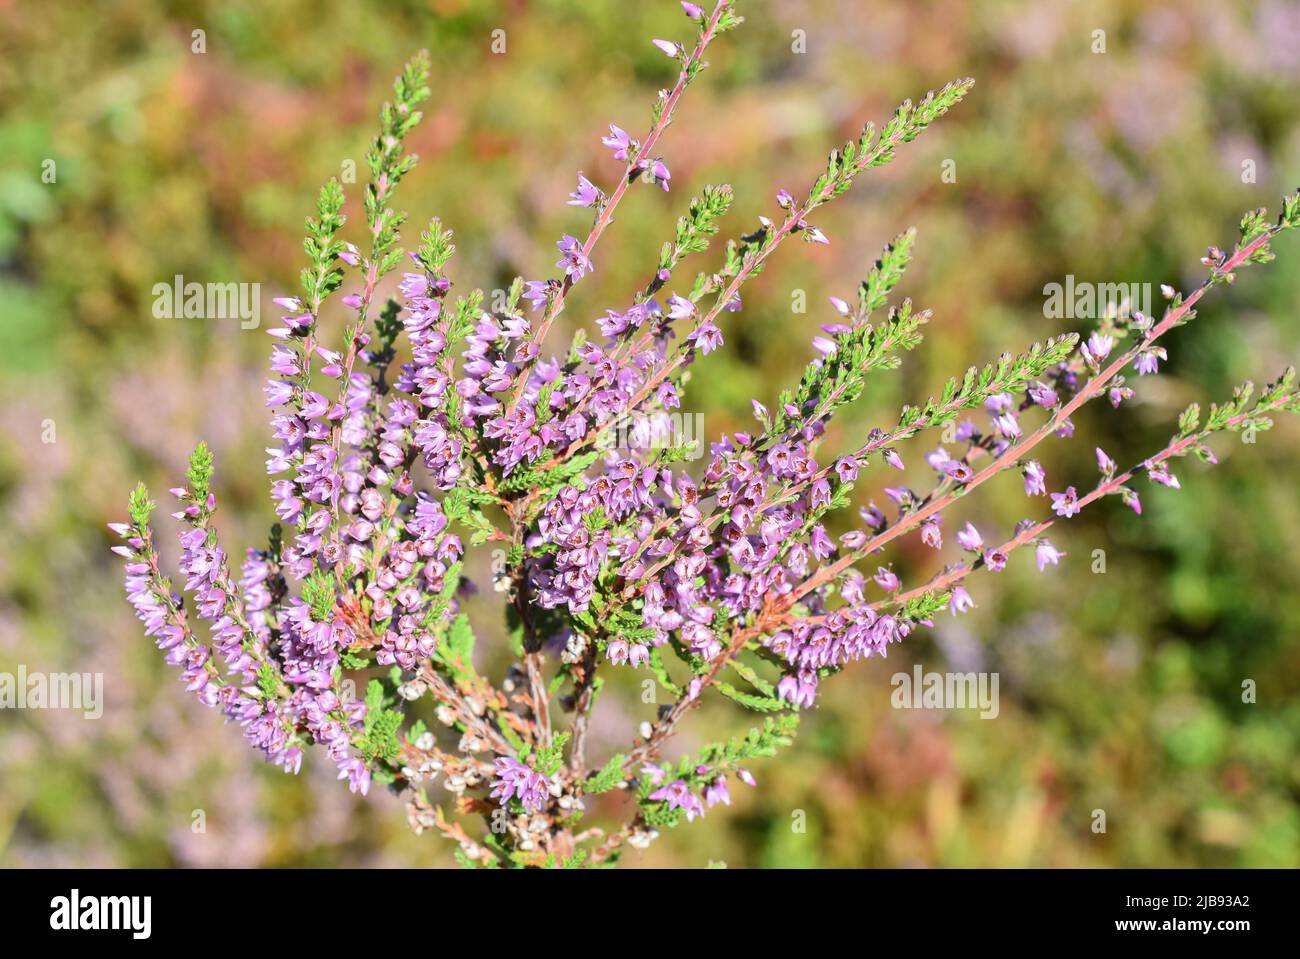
{"points": [[658, 815], [542, 408], [388, 325], [324, 276], [759, 703], [575, 861], [609, 777], [1290, 217], [1254, 224], [200, 472], [461, 504], [926, 606], [839, 379], [436, 247], [549, 759], [729, 19], [661, 671], [378, 740], [1282, 393], [387, 164], [845, 163], [418, 729], [596, 520], [549, 481], [468, 309], [884, 276], [751, 676], [318, 593], [1237, 414], [760, 742], [715, 759], [697, 226], [1011, 374], [669, 455], [139, 506], [267, 681], [455, 650], [381, 738]]}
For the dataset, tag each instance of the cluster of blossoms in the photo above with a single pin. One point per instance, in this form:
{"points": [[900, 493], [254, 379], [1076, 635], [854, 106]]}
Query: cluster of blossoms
{"points": [[442, 418]]}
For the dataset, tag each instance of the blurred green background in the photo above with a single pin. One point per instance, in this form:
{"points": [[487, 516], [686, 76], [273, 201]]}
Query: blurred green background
{"points": [[1119, 691]]}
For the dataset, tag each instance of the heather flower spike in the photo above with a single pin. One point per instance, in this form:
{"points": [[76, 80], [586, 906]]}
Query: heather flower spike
{"points": [[435, 426]]}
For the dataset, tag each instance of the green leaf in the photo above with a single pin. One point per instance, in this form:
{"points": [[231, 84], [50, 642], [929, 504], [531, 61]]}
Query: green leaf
{"points": [[609, 777], [200, 472], [140, 506], [763, 704], [549, 760], [455, 650], [318, 593]]}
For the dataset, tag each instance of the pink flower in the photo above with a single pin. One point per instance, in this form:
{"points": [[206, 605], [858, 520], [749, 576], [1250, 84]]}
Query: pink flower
{"points": [[1046, 553]]}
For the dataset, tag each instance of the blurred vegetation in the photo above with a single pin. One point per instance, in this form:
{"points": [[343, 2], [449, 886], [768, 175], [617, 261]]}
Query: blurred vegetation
{"points": [[1120, 691]]}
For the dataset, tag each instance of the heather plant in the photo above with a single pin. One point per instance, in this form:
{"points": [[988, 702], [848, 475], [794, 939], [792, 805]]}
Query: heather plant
{"points": [[439, 422]]}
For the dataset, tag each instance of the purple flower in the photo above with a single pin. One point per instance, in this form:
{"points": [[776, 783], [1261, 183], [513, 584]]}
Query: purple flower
{"points": [[1042, 394], [680, 308], [357, 775], [659, 170], [1105, 463], [619, 142], [886, 580], [998, 403], [716, 792], [959, 601], [679, 796], [1159, 473], [707, 337], [799, 689], [1066, 504], [931, 534], [1148, 360], [969, 538], [586, 194], [536, 293], [575, 262], [1035, 478], [1007, 425], [514, 779], [668, 47], [1046, 553], [1099, 346]]}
